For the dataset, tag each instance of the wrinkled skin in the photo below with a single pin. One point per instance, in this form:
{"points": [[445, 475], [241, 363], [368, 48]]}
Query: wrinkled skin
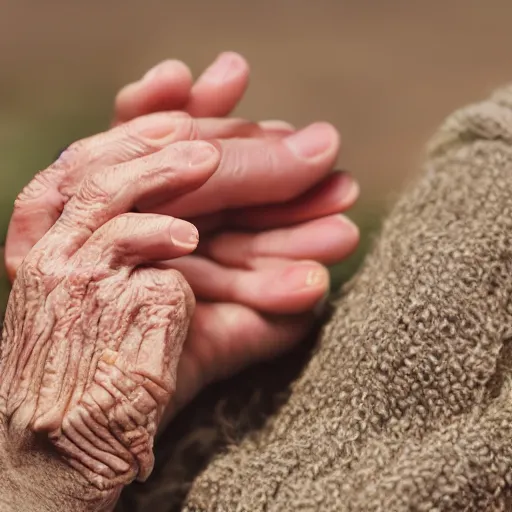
{"points": [[94, 328], [94, 360], [94, 380], [269, 219]]}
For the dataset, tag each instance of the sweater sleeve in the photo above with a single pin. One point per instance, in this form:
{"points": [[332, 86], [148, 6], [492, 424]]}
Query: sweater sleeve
{"points": [[405, 404]]}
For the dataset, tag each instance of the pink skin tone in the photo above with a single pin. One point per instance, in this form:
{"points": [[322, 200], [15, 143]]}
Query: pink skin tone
{"points": [[95, 354], [254, 258], [92, 337]]}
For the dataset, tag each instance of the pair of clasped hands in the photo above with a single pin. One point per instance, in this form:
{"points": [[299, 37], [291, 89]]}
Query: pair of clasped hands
{"points": [[225, 224]]}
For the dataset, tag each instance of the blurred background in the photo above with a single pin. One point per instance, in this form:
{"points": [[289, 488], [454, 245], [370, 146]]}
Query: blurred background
{"points": [[384, 72]]}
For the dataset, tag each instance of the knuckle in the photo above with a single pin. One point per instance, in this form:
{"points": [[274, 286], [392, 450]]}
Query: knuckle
{"points": [[29, 268], [36, 272], [170, 288], [94, 188], [183, 292], [57, 178], [187, 128], [128, 130], [131, 143], [71, 157], [170, 127], [123, 222], [42, 266], [119, 230]]}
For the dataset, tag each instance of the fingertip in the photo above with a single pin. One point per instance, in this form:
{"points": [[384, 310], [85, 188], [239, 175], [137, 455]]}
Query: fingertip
{"points": [[158, 127], [276, 126], [352, 194], [198, 153], [170, 68], [316, 276], [221, 86], [184, 235], [226, 67], [351, 236], [336, 238], [315, 142], [299, 287], [166, 86], [351, 227], [197, 162]]}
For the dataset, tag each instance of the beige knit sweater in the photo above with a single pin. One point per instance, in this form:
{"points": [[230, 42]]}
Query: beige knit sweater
{"points": [[406, 402]]}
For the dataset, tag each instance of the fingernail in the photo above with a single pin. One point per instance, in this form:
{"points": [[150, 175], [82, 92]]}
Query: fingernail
{"points": [[347, 188], [155, 127], [306, 275], [349, 225], [226, 66], [352, 191], [151, 73], [166, 67], [277, 125], [313, 141], [196, 152], [184, 234]]}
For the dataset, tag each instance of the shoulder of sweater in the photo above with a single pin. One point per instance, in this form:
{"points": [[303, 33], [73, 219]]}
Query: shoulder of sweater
{"points": [[488, 120]]}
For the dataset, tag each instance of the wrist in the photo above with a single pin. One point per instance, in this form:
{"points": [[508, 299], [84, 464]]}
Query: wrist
{"points": [[35, 479]]}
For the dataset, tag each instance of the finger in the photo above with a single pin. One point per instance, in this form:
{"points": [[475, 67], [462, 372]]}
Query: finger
{"points": [[327, 240], [283, 289], [225, 338], [166, 86], [220, 88], [237, 336], [334, 194], [144, 136], [133, 239], [40, 204], [260, 171], [104, 195]]}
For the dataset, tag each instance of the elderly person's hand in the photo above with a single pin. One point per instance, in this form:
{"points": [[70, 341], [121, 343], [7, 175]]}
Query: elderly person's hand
{"points": [[92, 336], [267, 219]]}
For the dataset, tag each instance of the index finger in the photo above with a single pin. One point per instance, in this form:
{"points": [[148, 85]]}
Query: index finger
{"points": [[104, 195]]}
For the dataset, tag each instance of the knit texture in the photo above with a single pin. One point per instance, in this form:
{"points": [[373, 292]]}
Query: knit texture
{"points": [[406, 402]]}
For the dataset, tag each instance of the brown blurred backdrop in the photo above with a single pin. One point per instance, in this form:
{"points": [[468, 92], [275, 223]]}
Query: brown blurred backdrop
{"points": [[385, 72]]}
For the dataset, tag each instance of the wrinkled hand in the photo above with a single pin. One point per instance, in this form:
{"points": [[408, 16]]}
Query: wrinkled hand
{"points": [[254, 277], [94, 328]]}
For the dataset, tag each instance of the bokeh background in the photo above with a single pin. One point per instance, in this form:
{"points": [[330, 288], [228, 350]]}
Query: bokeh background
{"points": [[385, 72]]}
